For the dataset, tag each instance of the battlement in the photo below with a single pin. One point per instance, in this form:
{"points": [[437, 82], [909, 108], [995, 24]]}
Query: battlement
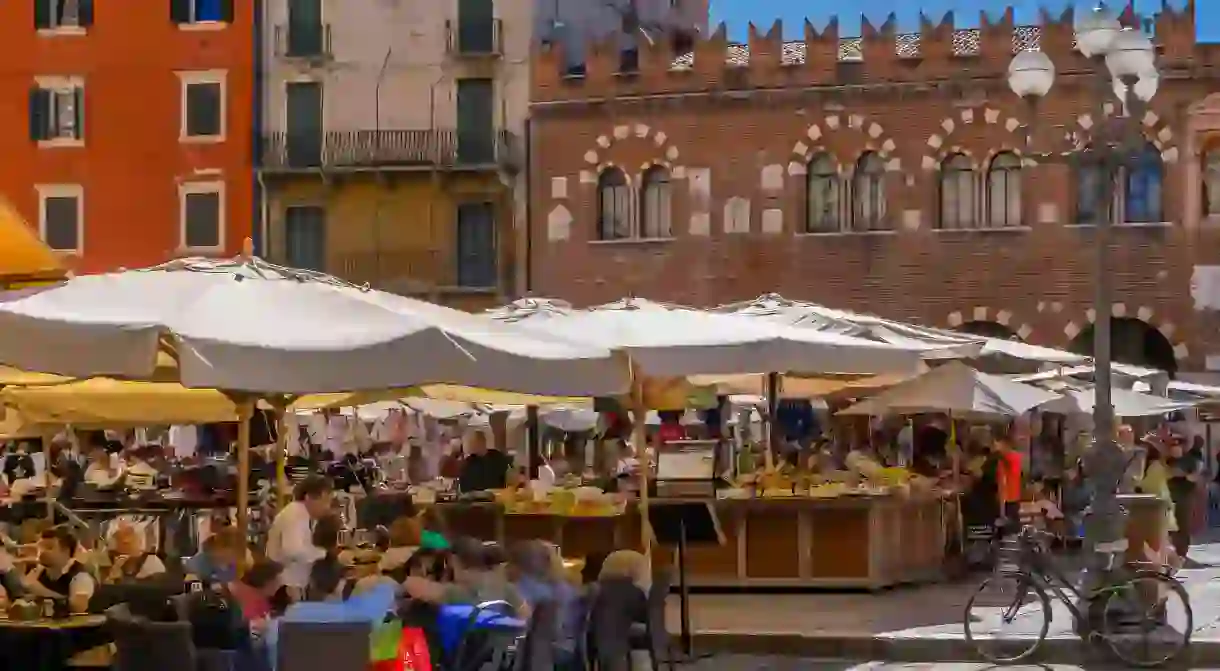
{"points": [[880, 54]]}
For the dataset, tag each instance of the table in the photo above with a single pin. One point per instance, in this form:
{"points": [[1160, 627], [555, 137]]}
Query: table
{"points": [[44, 644]]}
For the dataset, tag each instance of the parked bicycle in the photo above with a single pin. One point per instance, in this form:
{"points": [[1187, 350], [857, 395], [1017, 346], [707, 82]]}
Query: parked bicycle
{"points": [[1144, 618]]}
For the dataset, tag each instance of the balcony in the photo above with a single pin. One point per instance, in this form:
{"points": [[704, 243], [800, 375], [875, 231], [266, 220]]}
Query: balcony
{"points": [[475, 38], [304, 41], [396, 150]]}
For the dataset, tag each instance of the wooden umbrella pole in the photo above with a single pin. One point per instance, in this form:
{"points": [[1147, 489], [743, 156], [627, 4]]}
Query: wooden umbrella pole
{"points": [[281, 456], [639, 416], [48, 436], [245, 410]]}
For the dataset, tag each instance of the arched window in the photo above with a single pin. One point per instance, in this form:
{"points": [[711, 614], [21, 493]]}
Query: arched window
{"points": [[655, 204], [1142, 193], [613, 205], [957, 192], [1090, 182], [1004, 190], [1211, 184], [868, 193], [822, 192]]}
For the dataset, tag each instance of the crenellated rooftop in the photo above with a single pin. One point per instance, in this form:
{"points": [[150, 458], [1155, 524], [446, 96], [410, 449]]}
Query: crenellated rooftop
{"points": [[880, 54]]}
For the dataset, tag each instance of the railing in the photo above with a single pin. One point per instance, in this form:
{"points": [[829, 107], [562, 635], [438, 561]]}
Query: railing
{"points": [[483, 37], [297, 40], [390, 149]]}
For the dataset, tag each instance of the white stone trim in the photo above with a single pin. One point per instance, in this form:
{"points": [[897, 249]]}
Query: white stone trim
{"points": [[593, 156], [938, 143], [981, 313]]}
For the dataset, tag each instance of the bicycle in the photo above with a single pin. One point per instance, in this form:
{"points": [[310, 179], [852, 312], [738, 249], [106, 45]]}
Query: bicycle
{"points": [[1144, 593]]}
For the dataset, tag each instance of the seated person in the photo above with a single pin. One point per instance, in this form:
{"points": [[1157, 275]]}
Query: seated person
{"points": [[256, 590], [536, 568], [59, 575], [218, 560], [127, 558], [103, 467], [475, 579], [405, 538]]}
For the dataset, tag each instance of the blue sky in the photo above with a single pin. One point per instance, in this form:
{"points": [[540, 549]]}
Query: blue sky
{"points": [[738, 13]]}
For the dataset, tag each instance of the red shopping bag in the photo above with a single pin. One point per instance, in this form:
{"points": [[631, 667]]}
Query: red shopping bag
{"points": [[413, 653]]}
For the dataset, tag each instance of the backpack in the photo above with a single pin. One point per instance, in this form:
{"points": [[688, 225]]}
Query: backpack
{"points": [[216, 619]]}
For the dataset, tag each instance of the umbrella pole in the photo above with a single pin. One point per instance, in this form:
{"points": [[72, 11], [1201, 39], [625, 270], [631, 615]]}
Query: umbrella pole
{"points": [[639, 414], [769, 436], [48, 436], [281, 456], [245, 410]]}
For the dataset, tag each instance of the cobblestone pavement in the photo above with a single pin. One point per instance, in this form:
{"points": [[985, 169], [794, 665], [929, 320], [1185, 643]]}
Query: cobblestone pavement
{"points": [[921, 623], [764, 663]]}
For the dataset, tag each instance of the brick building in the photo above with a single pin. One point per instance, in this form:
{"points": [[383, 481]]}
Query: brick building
{"points": [[135, 145], [883, 174]]}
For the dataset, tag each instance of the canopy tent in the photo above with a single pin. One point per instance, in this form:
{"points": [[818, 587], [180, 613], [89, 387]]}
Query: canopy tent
{"points": [[1086, 372], [944, 344], [668, 341], [1127, 403], [678, 341], [256, 330], [823, 387], [23, 257], [958, 390]]}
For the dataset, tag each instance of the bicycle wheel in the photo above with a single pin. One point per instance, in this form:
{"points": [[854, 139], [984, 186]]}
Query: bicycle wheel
{"points": [[1007, 618], [1147, 620]]}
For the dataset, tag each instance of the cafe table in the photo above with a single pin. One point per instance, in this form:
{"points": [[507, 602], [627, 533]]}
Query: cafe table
{"points": [[45, 644]]}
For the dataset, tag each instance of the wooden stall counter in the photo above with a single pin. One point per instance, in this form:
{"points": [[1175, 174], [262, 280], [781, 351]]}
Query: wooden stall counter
{"points": [[868, 542], [850, 542]]}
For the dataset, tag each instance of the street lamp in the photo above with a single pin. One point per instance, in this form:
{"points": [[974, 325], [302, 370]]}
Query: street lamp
{"points": [[1115, 145]]}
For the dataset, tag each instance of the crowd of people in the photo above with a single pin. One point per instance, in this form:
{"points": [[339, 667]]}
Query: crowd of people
{"points": [[305, 573]]}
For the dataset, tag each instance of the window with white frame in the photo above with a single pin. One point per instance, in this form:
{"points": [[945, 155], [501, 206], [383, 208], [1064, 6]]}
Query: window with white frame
{"points": [[655, 203], [1211, 183], [62, 14], [822, 195], [61, 216], [868, 194], [203, 105], [192, 12], [957, 192], [613, 205], [1004, 191], [57, 110], [202, 215]]}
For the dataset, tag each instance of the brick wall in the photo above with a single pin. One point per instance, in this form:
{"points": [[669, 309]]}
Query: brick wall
{"points": [[736, 124]]}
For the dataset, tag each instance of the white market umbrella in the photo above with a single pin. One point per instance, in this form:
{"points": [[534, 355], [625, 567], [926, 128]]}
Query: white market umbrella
{"points": [[572, 420], [244, 325], [940, 343], [677, 341], [958, 390], [1126, 403]]}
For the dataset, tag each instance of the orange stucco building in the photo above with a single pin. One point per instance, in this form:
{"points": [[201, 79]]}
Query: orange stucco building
{"points": [[125, 139]]}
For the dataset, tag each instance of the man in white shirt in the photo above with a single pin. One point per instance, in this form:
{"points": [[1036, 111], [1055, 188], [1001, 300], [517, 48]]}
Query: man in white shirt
{"points": [[290, 540], [59, 575]]}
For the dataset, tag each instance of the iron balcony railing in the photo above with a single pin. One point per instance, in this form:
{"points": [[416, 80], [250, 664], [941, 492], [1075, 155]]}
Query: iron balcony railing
{"points": [[390, 149], [482, 37], [303, 40]]}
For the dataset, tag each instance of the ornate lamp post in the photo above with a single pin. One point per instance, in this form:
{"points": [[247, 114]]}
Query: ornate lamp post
{"points": [[1125, 70]]}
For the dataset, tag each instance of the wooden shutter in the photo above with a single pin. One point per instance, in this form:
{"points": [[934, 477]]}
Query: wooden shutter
{"points": [[78, 98], [85, 13], [180, 11], [40, 106], [42, 14], [226, 11]]}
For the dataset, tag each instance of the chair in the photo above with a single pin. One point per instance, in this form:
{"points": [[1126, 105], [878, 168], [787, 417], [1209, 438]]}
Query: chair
{"points": [[317, 646], [654, 635], [141, 645], [476, 647], [536, 651], [615, 608]]}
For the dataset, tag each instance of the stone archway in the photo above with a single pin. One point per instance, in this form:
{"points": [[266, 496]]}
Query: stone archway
{"points": [[1132, 341], [988, 329]]}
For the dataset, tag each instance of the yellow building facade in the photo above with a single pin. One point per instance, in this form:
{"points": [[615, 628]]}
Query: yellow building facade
{"points": [[392, 152]]}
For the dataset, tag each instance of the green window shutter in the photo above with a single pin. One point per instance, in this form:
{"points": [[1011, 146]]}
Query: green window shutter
{"points": [[78, 95], [226, 11], [180, 11], [42, 14], [40, 106], [85, 13]]}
